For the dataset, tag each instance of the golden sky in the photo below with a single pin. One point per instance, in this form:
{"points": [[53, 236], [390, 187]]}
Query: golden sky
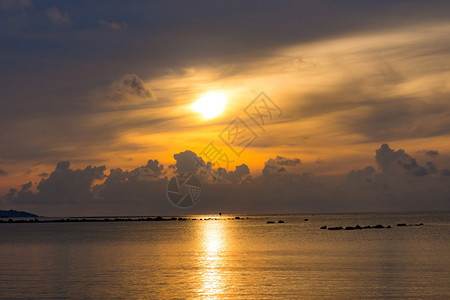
{"points": [[119, 92]]}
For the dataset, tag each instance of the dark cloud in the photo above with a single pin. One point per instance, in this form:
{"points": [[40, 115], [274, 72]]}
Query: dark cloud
{"points": [[188, 162], [143, 188], [389, 160], [3, 173], [65, 185], [11, 195], [385, 157], [361, 176], [431, 153], [239, 175], [131, 84], [43, 174], [26, 186], [400, 184], [274, 164], [431, 167], [128, 89]]}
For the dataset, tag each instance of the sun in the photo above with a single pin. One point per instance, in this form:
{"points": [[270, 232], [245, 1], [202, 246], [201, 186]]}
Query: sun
{"points": [[210, 105]]}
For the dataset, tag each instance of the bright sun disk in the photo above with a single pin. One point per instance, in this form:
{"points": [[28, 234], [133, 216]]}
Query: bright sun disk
{"points": [[210, 105]]}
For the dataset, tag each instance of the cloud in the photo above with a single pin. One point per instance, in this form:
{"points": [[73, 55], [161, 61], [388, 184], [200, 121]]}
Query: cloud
{"points": [[44, 174], [57, 17], [3, 173], [279, 163], [431, 153], [239, 175], [400, 183], [385, 157], [13, 4], [431, 167], [188, 162], [129, 89], [68, 185], [113, 25], [64, 185], [144, 187], [389, 160], [361, 176], [133, 85]]}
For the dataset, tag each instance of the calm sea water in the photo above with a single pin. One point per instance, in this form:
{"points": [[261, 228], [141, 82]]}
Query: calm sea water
{"points": [[229, 258]]}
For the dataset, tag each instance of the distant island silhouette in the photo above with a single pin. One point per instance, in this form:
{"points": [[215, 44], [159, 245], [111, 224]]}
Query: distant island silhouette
{"points": [[16, 214]]}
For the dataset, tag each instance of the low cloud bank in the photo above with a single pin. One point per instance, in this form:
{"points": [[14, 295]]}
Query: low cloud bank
{"points": [[397, 182]]}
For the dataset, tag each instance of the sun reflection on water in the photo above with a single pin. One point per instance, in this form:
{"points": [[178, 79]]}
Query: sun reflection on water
{"points": [[211, 271]]}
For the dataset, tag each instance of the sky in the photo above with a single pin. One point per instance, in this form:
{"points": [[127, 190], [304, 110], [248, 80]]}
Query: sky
{"points": [[345, 105]]}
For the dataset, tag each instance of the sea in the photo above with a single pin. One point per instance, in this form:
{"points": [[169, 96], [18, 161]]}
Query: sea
{"points": [[221, 257]]}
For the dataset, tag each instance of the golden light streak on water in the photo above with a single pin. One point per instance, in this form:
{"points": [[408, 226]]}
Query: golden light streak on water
{"points": [[213, 246]]}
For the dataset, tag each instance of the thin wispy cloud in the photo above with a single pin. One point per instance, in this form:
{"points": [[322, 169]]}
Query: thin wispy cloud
{"points": [[57, 17], [113, 25]]}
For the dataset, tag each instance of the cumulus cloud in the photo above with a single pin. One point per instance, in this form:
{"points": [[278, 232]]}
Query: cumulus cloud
{"points": [[3, 173], [24, 195], [279, 164], [399, 183], [389, 161], [402, 183], [113, 25], [361, 176], [68, 185], [142, 188], [64, 185], [57, 17], [188, 162], [385, 157], [239, 175]]}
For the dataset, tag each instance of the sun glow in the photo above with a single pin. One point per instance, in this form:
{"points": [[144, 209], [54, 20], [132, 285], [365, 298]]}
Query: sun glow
{"points": [[210, 105]]}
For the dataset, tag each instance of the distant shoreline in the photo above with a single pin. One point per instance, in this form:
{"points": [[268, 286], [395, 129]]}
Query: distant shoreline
{"points": [[80, 220]]}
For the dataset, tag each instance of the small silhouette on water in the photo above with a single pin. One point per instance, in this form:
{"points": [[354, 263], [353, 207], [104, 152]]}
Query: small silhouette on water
{"points": [[357, 227]]}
